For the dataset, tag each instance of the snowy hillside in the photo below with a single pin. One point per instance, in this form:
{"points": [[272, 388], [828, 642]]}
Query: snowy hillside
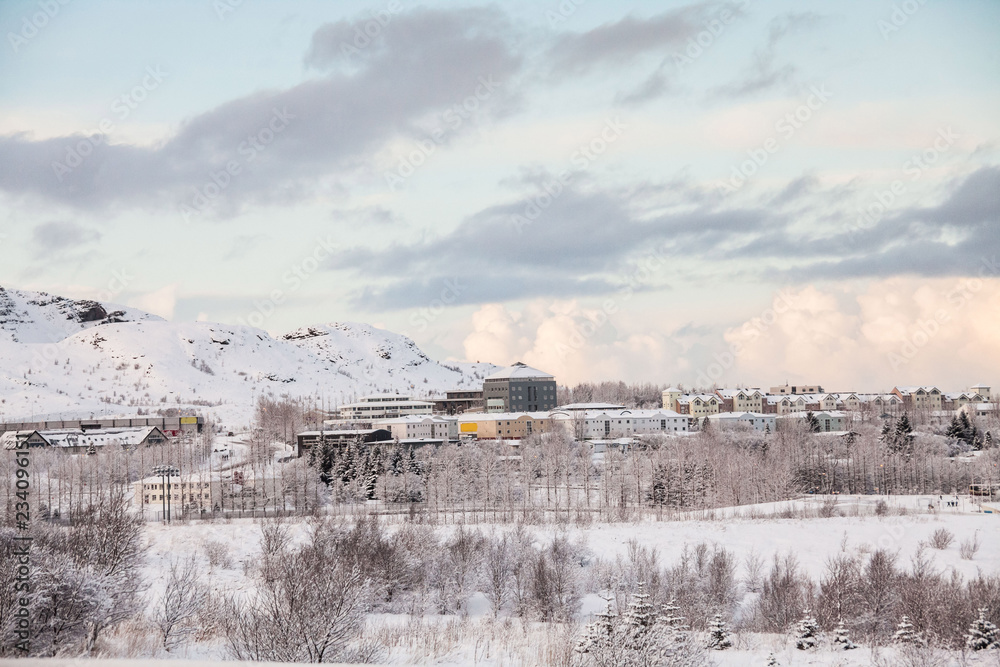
{"points": [[37, 317], [116, 361]]}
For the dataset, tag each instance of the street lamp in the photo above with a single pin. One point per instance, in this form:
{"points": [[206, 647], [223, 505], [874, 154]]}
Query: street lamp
{"points": [[165, 472]]}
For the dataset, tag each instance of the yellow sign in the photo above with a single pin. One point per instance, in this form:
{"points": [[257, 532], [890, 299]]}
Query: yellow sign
{"points": [[469, 427], [189, 420]]}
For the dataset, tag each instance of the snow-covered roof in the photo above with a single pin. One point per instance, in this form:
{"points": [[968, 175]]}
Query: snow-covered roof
{"points": [[519, 371], [576, 407], [124, 436]]}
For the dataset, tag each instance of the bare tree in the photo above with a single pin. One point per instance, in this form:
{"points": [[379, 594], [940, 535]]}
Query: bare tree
{"points": [[182, 600]]}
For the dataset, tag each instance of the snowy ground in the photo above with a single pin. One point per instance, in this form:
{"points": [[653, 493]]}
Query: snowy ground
{"points": [[812, 540]]}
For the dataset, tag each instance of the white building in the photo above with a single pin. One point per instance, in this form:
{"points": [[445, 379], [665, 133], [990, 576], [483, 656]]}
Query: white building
{"points": [[755, 420], [384, 406], [601, 424], [437, 427], [832, 420]]}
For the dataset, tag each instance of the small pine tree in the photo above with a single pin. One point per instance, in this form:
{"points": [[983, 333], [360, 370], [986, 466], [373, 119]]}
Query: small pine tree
{"points": [[982, 634], [718, 634], [988, 440], [772, 661], [670, 616], [598, 634], [842, 638], [639, 615], [904, 633], [807, 630], [91, 450]]}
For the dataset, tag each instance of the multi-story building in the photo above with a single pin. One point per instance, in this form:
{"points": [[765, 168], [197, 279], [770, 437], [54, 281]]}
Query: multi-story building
{"points": [[753, 420], [457, 401], [698, 405], [503, 425], [618, 423], [919, 398], [384, 406], [787, 389], [519, 388], [741, 400], [419, 427]]}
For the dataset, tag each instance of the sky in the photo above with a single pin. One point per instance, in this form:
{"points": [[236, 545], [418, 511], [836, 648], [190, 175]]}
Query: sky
{"points": [[671, 192]]}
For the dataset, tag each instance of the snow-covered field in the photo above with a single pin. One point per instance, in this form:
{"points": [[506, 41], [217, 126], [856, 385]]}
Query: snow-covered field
{"points": [[811, 540]]}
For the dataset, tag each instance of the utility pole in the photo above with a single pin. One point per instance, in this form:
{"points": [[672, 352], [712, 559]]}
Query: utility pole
{"points": [[165, 472]]}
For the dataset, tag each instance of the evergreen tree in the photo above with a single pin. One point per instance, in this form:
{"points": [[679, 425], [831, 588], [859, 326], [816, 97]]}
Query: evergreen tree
{"points": [[718, 634], [772, 661], [841, 637], [808, 631], [670, 616], [988, 440], [904, 633], [396, 461], [812, 422], [902, 437], [982, 634], [639, 615], [955, 429], [706, 424]]}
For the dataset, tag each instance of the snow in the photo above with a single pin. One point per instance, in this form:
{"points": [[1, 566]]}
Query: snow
{"points": [[53, 366]]}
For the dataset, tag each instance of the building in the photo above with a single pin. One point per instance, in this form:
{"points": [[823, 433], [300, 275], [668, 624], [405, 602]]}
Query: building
{"points": [[754, 420], [585, 407], [170, 426], [919, 398], [306, 440], [77, 441], [741, 400], [436, 427], [828, 421], [618, 423], [786, 389], [519, 388], [197, 492], [503, 425], [698, 405], [457, 401], [384, 406]]}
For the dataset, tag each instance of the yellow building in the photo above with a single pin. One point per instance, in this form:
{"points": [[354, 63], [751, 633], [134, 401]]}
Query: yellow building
{"points": [[503, 425]]}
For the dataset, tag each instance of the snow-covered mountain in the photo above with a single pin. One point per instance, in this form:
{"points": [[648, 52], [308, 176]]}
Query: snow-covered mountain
{"points": [[65, 358]]}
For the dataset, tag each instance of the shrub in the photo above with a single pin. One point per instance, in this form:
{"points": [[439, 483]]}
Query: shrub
{"points": [[941, 538]]}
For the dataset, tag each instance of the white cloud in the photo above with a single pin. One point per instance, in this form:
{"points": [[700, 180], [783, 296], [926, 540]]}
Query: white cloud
{"points": [[861, 337], [159, 302]]}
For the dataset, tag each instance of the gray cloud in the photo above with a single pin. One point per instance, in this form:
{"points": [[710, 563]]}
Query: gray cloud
{"points": [[621, 41], [62, 235], [764, 72], [424, 61]]}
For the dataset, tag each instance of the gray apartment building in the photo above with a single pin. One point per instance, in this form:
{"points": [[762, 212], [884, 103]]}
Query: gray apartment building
{"points": [[519, 388]]}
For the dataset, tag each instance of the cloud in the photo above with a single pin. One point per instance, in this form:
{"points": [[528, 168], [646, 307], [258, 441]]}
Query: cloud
{"points": [[764, 72], [843, 337], [282, 141], [579, 243], [623, 40], [896, 331], [59, 235], [160, 302]]}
